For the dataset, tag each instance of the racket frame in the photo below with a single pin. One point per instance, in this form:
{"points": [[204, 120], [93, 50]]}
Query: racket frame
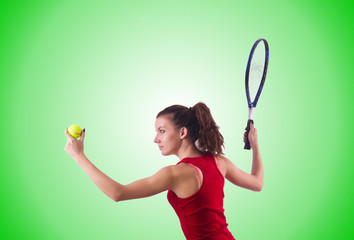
{"points": [[266, 46]]}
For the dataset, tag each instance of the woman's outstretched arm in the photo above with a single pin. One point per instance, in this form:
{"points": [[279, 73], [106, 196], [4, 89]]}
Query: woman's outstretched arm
{"points": [[159, 182]]}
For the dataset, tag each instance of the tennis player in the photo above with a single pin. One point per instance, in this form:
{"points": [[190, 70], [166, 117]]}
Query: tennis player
{"points": [[195, 184]]}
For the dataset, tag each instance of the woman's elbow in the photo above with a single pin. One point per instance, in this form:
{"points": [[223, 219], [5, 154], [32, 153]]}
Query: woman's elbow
{"points": [[117, 197], [258, 187]]}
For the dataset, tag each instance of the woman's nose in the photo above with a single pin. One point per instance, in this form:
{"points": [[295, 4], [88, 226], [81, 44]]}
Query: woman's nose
{"points": [[156, 140]]}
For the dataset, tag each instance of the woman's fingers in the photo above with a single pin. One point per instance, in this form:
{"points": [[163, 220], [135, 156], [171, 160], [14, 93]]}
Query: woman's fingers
{"points": [[82, 137]]}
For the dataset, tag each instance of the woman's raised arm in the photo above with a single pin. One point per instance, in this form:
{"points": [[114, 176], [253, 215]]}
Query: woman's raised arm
{"points": [[253, 181]]}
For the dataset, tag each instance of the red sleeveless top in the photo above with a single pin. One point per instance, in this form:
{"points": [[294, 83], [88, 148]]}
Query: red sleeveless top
{"points": [[202, 214]]}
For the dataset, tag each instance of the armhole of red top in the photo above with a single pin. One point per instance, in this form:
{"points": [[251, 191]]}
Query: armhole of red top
{"points": [[197, 170], [218, 165]]}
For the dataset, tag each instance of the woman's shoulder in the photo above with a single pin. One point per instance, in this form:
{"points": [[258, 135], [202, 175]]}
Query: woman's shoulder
{"points": [[180, 170], [223, 163], [222, 158]]}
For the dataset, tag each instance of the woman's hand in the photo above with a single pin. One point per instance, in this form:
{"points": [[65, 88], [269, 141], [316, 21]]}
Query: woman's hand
{"points": [[252, 136], [74, 147]]}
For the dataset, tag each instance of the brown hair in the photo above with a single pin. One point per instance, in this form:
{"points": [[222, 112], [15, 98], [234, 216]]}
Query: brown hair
{"points": [[200, 124]]}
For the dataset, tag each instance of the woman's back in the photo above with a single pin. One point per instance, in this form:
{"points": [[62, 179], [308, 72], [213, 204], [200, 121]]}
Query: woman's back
{"points": [[202, 214]]}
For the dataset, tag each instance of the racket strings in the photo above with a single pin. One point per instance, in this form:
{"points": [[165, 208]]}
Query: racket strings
{"points": [[256, 70]]}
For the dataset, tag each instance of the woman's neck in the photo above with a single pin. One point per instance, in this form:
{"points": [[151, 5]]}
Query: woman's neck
{"points": [[189, 150]]}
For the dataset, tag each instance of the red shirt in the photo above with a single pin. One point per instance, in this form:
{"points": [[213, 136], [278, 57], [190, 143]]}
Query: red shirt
{"points": [[202, 214]]}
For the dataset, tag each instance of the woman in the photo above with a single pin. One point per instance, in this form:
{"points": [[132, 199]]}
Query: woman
{"points": [[195, 184]]}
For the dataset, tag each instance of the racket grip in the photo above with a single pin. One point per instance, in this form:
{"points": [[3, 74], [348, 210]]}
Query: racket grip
{"points": [[247, 143]]}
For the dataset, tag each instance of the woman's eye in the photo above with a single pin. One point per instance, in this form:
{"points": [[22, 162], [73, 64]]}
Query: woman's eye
{"points": [[162, 131]]}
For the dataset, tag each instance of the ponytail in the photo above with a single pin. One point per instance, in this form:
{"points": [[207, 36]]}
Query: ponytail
{"points": [[210, 139], [201, 126]]}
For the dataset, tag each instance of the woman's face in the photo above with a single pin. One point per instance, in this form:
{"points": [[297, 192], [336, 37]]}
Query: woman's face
{"points": [[167, 137]]}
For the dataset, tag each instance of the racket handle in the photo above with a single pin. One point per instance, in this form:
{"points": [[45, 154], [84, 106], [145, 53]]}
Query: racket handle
{"points": [[247, 143]]}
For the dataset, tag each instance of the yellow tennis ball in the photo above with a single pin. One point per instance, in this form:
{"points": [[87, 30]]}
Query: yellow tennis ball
{"points": [[74, 130]]}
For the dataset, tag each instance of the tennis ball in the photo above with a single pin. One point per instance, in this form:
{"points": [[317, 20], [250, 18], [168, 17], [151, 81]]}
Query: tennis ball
{"points": [[74, 130]]}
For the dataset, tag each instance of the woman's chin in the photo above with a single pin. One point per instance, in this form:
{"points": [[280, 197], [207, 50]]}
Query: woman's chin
{"points": [[165, 153]]}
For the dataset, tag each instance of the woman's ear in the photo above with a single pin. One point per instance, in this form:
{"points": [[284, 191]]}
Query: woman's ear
{"points": [[183, 132]]}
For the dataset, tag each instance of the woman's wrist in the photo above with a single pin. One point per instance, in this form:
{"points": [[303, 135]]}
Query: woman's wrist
{"points": [[80, 158], [255, 149]]}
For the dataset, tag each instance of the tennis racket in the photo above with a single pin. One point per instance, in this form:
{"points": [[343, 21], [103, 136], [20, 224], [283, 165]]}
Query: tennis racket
{"points": [[256, 72]]}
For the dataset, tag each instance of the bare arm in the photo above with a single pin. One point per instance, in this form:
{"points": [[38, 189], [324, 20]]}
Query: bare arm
{"points": [[159, 182], [253, 181]]}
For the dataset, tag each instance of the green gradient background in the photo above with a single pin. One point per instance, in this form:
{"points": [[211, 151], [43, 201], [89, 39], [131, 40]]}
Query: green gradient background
{"points": [[111, 66]]}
